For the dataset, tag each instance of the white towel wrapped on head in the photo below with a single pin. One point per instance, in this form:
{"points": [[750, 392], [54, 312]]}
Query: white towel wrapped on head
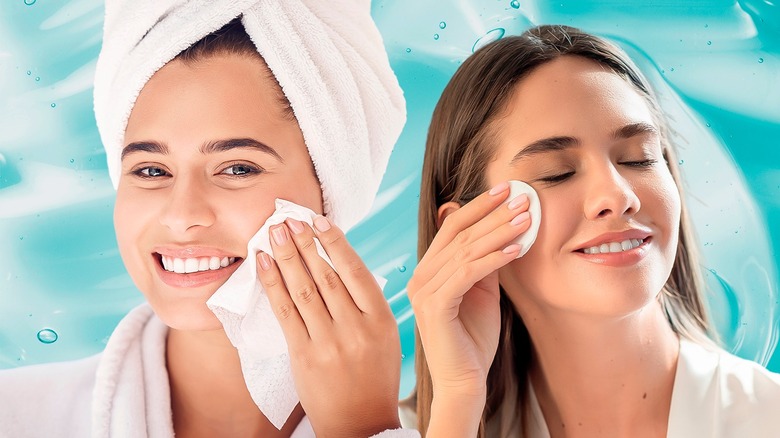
{"points": [[327, 56]]}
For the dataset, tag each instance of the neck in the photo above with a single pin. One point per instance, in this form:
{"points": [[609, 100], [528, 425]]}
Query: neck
{"points": [[593, 374], [208, 394]]}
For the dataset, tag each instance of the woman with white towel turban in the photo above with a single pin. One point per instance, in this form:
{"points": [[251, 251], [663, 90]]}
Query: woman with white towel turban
{"points": [[217, 117]]}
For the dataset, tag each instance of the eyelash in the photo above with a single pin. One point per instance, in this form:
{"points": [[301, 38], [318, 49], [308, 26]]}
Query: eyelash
{"points": [[562, 177], [251, 170], [140, 172]]}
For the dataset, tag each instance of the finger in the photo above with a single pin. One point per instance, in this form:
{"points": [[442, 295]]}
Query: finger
{"points": [[493, 243], [470, 214], [446, 297], [333, 291], [495, 238], [282, 304], [299, 283], [451, 236], [359, 281]]}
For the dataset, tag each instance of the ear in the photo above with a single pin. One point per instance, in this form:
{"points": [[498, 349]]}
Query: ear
{"points": [[445, 210]]}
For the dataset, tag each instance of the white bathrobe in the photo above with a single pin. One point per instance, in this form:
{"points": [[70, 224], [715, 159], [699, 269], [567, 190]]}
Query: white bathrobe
{"points": [[121, 393], [715, 395]]}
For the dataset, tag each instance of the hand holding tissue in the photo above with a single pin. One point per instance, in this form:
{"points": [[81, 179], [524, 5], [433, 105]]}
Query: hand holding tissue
{"points": [[246, 309]]}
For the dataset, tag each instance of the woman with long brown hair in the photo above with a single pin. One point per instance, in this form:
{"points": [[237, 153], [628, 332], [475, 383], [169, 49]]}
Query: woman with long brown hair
{"points": [[600, 329]]}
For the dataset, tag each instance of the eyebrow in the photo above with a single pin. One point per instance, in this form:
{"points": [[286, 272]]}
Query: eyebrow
{"points": [[560, 143], [211, 147]]}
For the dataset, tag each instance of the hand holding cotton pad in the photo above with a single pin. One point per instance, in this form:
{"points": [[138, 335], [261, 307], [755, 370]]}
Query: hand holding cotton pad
{"points": [[528, 238]]}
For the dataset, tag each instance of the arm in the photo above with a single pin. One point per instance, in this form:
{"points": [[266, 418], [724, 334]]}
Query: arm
{"points": [[455, 296]]}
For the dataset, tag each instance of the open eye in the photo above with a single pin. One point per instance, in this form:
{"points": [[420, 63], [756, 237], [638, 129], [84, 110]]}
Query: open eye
{"points": [[240, 169], [151, 172]]}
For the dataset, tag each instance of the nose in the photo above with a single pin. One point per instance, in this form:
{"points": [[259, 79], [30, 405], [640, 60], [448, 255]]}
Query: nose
{"points": [[610, 194], [187, 207]]}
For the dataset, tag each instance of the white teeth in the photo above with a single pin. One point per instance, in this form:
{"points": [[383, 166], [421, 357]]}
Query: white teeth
{"points": [[613, 247], [191, 265], [187, 266]]}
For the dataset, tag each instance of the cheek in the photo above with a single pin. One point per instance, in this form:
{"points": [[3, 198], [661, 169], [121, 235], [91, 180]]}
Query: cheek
{"points": [[662, 204]]}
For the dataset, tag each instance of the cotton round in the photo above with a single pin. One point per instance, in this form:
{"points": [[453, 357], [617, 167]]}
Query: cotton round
{"points": [[528, 238]]}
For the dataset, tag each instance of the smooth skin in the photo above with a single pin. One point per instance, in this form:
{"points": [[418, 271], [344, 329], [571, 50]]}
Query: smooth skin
{"points": [[180, 195], [604, 355]]}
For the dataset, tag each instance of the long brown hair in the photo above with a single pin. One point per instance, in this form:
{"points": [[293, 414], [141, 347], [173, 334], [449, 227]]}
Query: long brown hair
{"points": [[460, 144]]}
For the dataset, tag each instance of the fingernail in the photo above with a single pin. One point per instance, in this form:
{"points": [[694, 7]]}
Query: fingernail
{"points": [[280, 235], [499, 188], [265, 261], [513, 248], [295, 226], [518, 201], [520, 218], [321, 223]]}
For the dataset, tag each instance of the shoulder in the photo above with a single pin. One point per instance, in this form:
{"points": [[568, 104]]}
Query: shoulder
{"points": [[44, 400], [738, 379], [735, 395]]}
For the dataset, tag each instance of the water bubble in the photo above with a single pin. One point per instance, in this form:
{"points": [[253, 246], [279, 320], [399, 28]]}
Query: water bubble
{"points": [[492, 35], [29, 72], [436, 36], [21, 237], [53, 105], [408, 50], [403, 356], [72, 160], [671, 69], [29, 2], [514, 4], [706, 26], [760, 60], [402, 268], [681, 161], [442, 25], [37, 78], [708, 124], [709, 43], [47, 336]]}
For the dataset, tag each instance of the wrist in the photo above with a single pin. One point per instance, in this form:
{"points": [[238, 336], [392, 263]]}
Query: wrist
{"points": [[455, 415]]}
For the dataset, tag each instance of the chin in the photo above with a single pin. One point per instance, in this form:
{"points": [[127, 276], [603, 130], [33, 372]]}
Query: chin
{"points": [[190, 316]]}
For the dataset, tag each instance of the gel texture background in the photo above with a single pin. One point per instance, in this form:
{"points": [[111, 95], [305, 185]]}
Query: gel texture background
{"points": [[714, 63]]}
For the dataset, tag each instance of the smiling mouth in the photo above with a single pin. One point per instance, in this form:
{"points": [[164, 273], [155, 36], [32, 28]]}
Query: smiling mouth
{"points": [[614, 247], [195, 264]]}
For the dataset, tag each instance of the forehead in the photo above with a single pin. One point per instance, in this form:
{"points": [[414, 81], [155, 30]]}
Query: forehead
{"points": [[572, 96], [217, 97]]}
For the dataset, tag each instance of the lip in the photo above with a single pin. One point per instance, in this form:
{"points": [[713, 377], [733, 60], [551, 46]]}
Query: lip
{"points": [[195, 279], [618, 259], [615, 236]]}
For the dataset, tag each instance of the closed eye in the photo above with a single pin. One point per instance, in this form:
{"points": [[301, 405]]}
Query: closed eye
{"points": [[642, 163], [557, 178]]}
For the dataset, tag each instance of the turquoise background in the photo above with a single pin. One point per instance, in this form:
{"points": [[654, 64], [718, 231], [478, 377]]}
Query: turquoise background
{"points": [[715, 64]]}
